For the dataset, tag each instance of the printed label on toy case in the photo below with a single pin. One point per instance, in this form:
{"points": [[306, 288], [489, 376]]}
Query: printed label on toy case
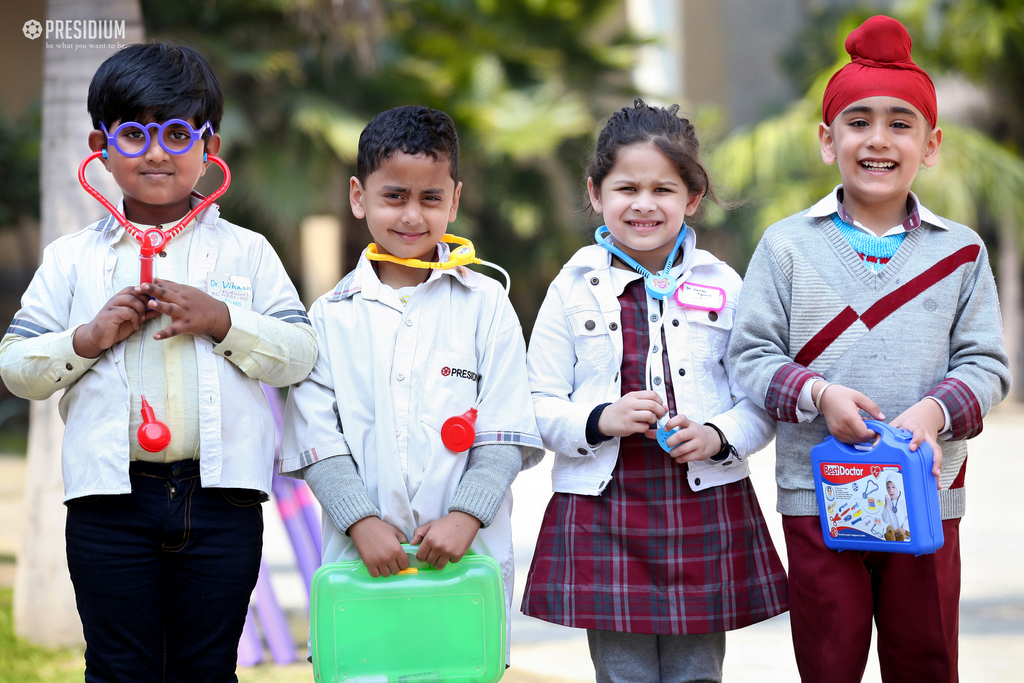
{"points": [[865, 500]]}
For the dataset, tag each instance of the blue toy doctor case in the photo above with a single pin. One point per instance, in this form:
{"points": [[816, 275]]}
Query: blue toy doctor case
{"points": [[877, 496]]}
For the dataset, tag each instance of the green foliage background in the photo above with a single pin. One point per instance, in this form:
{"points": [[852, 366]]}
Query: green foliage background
{"points": [[520, 78]]}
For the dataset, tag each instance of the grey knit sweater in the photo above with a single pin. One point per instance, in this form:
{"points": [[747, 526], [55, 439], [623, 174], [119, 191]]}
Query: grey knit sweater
{"points": [[928, 323]]}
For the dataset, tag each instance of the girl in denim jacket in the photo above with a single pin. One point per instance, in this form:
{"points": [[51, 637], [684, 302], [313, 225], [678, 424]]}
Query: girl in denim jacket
{"points": [[655, 551]]}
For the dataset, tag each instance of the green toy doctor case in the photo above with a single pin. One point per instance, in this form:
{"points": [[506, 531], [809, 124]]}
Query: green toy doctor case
{"points": [[421, 625]]}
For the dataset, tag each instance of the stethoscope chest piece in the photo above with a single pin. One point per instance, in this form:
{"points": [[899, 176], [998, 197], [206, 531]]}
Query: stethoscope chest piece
{"points": [[153, 435], [459, 431]]}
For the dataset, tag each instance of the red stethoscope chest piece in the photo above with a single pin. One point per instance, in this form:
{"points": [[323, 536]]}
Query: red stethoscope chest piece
{"points": [[459, 432], [153, 435]]}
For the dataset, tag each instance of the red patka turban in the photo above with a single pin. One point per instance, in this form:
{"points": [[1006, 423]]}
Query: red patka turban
{"points": [[881, 66]]}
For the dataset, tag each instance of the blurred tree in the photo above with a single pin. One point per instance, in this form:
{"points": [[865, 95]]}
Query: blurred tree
{"points": [[984, 40], [44, 601], [519, 77]]}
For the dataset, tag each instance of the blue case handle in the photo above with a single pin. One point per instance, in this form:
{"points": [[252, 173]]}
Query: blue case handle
{"points": [[895, 437]]}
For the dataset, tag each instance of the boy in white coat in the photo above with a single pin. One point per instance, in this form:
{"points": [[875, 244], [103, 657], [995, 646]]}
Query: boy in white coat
{"points": [[404, 349]]}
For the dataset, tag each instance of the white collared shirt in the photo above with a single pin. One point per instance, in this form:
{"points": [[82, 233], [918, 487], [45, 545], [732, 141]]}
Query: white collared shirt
{"points": [[271, 342], [389, 375], [917, 213]]}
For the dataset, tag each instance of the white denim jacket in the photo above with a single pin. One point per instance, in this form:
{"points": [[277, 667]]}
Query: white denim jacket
{"points": [[575, 356], [273, 343]]}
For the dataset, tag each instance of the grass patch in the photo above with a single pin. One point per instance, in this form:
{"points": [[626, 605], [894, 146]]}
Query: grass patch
{"points": [[23, 662]]}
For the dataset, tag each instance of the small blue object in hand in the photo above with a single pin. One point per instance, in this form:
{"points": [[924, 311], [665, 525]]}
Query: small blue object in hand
{"points": [[663, 434]]}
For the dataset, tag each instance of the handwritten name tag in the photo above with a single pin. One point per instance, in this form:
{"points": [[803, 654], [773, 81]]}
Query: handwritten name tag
{"points": [[233, 290], [701, 297]]}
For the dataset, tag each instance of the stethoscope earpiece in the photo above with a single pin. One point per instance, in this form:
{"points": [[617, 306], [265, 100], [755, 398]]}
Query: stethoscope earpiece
{"points": [[104, 152]]}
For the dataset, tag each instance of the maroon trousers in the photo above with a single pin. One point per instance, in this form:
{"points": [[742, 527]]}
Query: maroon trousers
{"points": [[915, 603]]}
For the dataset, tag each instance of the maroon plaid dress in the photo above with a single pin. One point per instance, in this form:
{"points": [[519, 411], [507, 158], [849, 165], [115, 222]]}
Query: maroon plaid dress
{"points": [[650, 555]]}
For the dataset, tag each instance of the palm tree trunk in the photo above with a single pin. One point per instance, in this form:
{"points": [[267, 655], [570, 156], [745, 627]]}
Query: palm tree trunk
{"points": [[44, 601]]}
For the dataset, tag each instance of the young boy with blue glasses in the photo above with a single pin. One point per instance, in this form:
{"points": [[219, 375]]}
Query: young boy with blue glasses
{"points": [[164, 538]]}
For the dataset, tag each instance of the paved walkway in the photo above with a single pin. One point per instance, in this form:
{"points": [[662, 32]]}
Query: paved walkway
{"points": [[992, 604]]}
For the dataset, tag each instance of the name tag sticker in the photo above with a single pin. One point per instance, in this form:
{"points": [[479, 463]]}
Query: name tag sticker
{"points": [[701, 297], [234, 290]]}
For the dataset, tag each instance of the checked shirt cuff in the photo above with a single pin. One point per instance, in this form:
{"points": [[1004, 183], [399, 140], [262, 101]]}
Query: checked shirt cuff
{"points": [[963, 408], [784, 390]]}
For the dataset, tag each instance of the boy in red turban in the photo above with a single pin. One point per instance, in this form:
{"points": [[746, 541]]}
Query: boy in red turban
{"points": [[869, 303]]}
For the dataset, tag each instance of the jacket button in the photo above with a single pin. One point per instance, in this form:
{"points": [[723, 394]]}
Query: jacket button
{"points": [[654, 317], [594, 280], [712, 316], [657, 381], [581, 451], [613, 326], [227, 353], [69, 366], [675, 322], [696, 482], [682, 372], [616, 377], [163, 254], [589, 325]]}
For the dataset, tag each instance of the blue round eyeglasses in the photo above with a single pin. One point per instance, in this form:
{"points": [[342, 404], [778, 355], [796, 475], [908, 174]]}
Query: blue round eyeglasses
{"points": [[176, 136]]}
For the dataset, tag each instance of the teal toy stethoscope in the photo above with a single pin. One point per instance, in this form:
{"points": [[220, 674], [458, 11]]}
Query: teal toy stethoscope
{"points": [[660, 286]]}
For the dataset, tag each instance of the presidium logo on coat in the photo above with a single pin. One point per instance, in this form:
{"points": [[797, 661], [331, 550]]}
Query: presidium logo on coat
{"points": [[458, 372]]}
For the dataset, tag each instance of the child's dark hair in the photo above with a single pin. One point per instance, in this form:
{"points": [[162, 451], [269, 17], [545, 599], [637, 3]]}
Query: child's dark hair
{"points": [[156, 81], [407, 130], [660, 126]]}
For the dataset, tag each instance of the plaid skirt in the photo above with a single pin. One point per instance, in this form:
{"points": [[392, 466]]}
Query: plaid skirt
{"points": [[650, 555]]}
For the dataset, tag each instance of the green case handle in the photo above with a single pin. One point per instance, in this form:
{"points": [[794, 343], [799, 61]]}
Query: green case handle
{"points": [[411, 549]]}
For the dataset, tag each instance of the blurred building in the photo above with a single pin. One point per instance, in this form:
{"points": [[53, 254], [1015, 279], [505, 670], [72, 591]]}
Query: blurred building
{"points": [[722, 57]]}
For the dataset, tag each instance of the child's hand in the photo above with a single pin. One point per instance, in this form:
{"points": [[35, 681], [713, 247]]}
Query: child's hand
{"points": [[447, 539], [634, 413], [117, 320], [924, 419], [841, 407], [693, 441], [379, 545], [192, 311]]}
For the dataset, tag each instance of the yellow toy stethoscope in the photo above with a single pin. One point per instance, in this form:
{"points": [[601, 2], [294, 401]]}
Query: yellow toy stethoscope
{"points": [[464, 255], [459, 431]]}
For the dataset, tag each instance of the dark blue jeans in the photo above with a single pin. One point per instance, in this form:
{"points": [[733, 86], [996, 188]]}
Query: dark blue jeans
{"points": [[163, 576]]}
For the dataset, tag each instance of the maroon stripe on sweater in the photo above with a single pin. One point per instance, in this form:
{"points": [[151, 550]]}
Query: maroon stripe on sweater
{"points": [[826, 336], [961, 476], [889, 303], [884, 307]]}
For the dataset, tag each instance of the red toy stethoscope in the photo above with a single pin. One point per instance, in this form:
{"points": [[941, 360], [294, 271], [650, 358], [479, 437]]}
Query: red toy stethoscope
{"points": [[153, 435], [459, 431]]}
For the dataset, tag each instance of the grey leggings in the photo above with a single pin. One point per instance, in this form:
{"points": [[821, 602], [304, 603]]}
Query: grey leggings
{"points": [[643, 658]]}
